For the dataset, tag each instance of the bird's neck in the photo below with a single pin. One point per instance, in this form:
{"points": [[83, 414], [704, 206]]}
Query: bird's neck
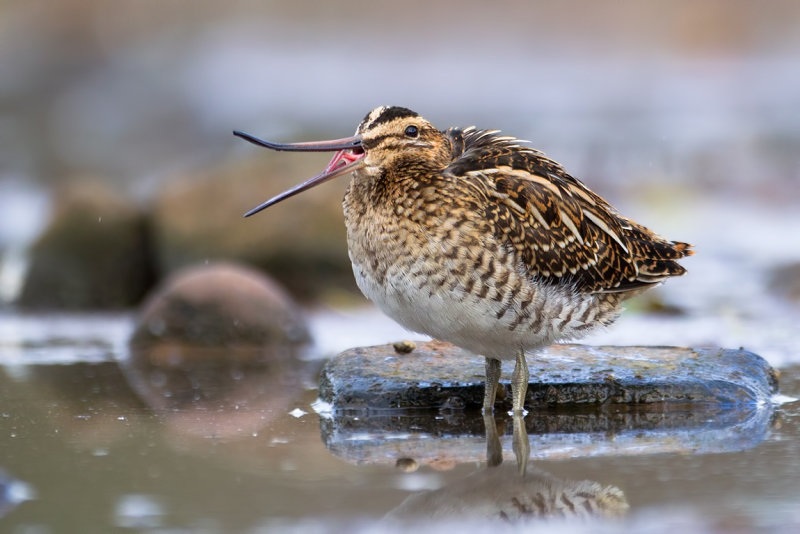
{"points": [[389, 184]]}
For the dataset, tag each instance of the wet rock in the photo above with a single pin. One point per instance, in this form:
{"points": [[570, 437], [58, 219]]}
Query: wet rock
{"points": [[784, 281], [301, 243], [219, 306], [439, 375], [94, 254]]}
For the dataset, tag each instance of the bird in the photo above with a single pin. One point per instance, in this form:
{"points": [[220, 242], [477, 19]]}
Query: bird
{"points": [[495, 495], [475, 238]]}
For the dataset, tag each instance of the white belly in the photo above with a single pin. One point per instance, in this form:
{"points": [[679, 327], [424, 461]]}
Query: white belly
{"points": [[481, 325]]}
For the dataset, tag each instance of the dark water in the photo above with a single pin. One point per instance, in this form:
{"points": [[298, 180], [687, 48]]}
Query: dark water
{"points": [[88, 444]]}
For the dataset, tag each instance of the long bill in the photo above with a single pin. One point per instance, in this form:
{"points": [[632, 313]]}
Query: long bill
{"points": [[344, 143], [348, 158]]}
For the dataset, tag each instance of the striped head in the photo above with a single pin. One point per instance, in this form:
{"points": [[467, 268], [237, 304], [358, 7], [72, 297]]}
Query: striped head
{"points": [[397, 139]]}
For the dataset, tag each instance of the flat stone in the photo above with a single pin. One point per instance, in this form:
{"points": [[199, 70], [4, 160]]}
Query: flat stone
{"points": [[438, 375], [388, 407]]}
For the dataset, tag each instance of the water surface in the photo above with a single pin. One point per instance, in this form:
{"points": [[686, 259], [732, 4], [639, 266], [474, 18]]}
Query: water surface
{"points": [[92, 442]]}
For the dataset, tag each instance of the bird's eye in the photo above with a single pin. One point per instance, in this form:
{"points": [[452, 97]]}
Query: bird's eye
{"points": [[412, 131]]}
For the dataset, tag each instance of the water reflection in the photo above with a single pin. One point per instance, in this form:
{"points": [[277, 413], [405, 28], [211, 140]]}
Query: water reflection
{"points": [[135, 511], [458, 437], [142, 459], [502, 493], [513, 493], [13, 492], [520, 443], [214, 391], [191, 393]]}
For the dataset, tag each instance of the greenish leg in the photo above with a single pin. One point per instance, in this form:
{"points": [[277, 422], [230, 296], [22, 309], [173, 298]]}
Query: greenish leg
{"points": [[519, 383], [492, 380]]}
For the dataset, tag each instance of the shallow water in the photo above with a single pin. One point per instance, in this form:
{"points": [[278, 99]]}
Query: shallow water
{"points": [[92, 442]]}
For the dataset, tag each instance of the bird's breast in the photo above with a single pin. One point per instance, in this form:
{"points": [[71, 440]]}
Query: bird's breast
{"points": [[446, 275]]}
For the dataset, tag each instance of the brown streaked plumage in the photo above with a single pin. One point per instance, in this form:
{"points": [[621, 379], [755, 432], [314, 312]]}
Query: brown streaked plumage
{"points": [[472, 237]]}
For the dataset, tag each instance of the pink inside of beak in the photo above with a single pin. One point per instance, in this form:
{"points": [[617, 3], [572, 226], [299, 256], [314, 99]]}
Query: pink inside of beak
{"points": [[343, 157]]}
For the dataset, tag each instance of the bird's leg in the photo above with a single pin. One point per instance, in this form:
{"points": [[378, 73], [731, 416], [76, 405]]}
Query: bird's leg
{"points": [[521, 446], [492, 380], [494, 450], [519, 383]]}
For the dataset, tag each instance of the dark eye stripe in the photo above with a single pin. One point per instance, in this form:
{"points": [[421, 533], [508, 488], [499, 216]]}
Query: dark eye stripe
{"points": [[375, 141]]}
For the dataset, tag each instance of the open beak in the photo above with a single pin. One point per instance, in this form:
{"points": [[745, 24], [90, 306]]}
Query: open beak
{"points": [[349, 157]]}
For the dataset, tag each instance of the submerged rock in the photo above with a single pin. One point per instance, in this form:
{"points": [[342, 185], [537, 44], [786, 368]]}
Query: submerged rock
{"points": [[219, 306], [217, 337], [441, 376], [94, 254]]}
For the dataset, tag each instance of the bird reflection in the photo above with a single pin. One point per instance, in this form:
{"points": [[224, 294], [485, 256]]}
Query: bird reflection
{"points": [[520, 443], [512, 493], [501, 493]]}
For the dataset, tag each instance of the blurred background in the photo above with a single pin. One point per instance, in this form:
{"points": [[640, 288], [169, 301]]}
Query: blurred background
{"points": [[118, 170]]}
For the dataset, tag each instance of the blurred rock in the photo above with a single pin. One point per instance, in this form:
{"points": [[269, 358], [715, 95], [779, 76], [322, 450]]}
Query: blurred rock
{"points": [[653, 302], [300, 242], [93, 254], [219, 306], [784, 281], [217, 338]]}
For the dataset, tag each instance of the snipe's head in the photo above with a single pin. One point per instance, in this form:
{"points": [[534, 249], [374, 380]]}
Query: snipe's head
{"points": [[388, 139]]}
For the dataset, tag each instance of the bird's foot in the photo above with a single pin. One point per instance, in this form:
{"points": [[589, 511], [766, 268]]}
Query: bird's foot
{"points": [[519, 384]]}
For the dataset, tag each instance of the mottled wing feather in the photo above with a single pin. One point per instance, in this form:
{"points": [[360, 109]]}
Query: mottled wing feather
{"points": [[562, 231]]}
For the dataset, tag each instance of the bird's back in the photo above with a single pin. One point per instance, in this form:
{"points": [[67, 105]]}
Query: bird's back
{"points": [[562, 231]]}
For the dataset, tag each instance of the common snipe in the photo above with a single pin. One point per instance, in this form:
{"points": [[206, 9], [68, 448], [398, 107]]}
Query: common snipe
{"points": [[472, 237]]}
